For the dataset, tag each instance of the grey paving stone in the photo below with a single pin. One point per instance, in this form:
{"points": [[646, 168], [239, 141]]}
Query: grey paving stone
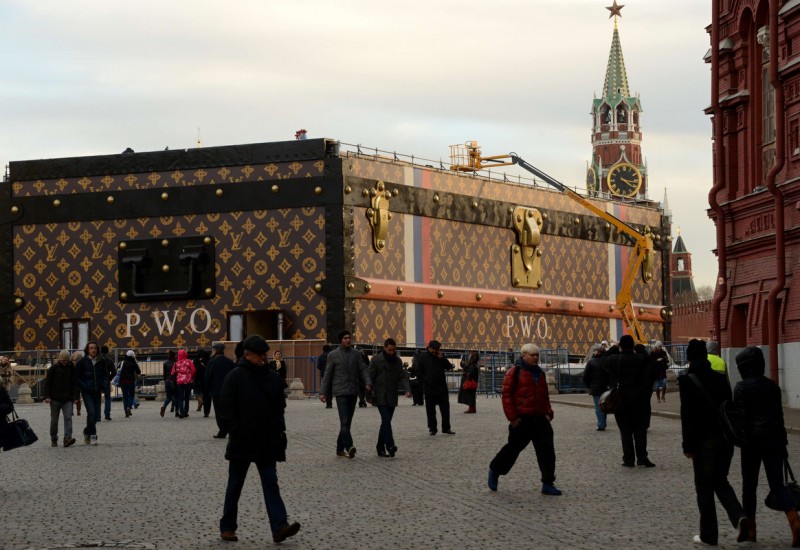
{"points": [[155, 482]]}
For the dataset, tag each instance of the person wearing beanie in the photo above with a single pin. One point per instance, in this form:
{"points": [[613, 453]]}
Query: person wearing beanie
{"points": [[702, 391], [766, 441], [61, 392], [344, 369], [251, 410], [633, 374], [717, 362]]}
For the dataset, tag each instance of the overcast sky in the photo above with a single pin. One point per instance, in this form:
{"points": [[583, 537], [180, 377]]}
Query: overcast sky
{"points": [[88, 77]]}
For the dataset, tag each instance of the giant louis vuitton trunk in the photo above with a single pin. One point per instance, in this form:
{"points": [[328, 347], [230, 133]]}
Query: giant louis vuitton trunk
{"points": [[296, 240]]}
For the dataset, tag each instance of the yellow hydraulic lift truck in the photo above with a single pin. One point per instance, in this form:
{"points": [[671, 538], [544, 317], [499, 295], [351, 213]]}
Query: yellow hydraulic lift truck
{"points": [[642, 256]]}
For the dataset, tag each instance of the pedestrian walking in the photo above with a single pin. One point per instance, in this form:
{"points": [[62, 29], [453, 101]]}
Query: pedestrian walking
{"points": [[74, 358], [526, 404], [199, 383], [127, 381], [633, 374], [596, 379], [111, 371], [432, 366], [387, 374], [91, 373], [343, 372], [321, 362], [170, 386], [218, 368], [183, 372], [470, 377], [702, 391], [61, 392], [252, 411], [660, 363], [766, 440]]}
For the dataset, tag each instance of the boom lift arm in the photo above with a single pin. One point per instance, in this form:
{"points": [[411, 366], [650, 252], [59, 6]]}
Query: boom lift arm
{"points": [[642, 256]]}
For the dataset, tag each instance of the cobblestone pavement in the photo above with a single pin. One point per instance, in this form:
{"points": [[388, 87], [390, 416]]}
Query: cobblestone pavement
{"points": [[157, 482]]}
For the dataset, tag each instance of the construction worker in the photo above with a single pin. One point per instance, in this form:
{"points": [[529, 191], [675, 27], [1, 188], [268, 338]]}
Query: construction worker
{"points": [[717, 362]]}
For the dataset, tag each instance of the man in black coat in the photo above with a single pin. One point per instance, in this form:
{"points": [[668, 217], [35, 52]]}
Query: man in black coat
{"points": [[252, 412], [218, 368], [634, 376], [595, 377], [702, 391], [431, 368]]}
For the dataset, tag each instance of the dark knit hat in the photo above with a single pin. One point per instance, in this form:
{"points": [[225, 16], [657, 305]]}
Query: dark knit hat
{"points": [[342, 334], [750, 362], [434, 344], [696, 350], [256, 344], [218, 345], [712, 346], [626, 342]]}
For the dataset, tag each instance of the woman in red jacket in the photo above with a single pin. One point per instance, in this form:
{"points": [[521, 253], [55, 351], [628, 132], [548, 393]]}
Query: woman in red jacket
{"points": [[183, 373], [526, 403]]}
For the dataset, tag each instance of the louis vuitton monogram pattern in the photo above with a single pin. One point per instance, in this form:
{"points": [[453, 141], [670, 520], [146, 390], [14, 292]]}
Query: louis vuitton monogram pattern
{"points": [[175, 178], [266, 260]]}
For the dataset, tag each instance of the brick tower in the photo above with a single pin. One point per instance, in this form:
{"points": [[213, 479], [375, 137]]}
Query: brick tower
{"points": [[617, 167]]}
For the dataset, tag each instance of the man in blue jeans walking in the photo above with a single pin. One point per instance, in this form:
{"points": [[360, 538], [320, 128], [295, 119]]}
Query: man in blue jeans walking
{"points": [[252, 412], [111, 370], [343, 370], [92, 376]]}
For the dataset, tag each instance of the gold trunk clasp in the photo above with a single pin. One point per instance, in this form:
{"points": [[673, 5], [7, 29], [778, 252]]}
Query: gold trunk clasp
{"points": [[379, 215], [526, 262]]}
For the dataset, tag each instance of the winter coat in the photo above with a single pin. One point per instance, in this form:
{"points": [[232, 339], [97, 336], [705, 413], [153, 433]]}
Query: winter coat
{"points": [[183, 369], [344, 369], [525, 392], [387, 375], [61, 382], [91, 376], [761, 399], [321, 362], [167, 372], [660, 363], [252, 412], [469, 371], [130, 370], [218, 368], [431, 369], [700, 419], [595, 377], [6, 406], [634, 375]]}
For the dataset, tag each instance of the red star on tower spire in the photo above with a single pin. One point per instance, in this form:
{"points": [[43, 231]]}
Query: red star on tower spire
{"points": [[615, 9]]}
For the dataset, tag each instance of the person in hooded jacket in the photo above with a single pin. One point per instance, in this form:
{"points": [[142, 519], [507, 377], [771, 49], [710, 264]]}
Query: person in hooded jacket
{"points": [[127, 381], [595, 377], [183, 373], [526, 404], [252, 411], [766, 441], [702, 391]]}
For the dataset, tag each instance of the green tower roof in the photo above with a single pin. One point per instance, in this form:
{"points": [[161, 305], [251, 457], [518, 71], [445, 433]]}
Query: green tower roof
{"points": [[616, 84]]}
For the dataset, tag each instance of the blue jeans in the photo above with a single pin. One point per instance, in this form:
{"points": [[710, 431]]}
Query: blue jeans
{"points": [[107, 391], [128, 393], [385, 437], [171, 397], [93, 404], [601, 416], [237, 473], [346, 405]]}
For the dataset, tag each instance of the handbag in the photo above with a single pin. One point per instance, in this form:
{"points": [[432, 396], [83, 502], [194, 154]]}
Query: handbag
{"points": [[610, 401], [17, 433], [470, 385], [773, 502], [115, 380]]}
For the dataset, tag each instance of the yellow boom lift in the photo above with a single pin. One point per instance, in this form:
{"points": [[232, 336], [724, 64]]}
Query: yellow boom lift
{"points": [[467, 158]]}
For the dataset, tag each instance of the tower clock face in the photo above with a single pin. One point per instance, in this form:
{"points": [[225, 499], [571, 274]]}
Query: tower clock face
{"points": [[591, 181], [624, 180]]}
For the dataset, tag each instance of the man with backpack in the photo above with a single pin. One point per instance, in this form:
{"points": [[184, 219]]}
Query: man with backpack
{"points": [[526, 404]]}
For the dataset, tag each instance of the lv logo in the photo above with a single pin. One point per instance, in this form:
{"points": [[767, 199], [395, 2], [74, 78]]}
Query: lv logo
{"points": [[237, 241], [285, 294], [284, 236], [237, 296], [51, 252]]}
